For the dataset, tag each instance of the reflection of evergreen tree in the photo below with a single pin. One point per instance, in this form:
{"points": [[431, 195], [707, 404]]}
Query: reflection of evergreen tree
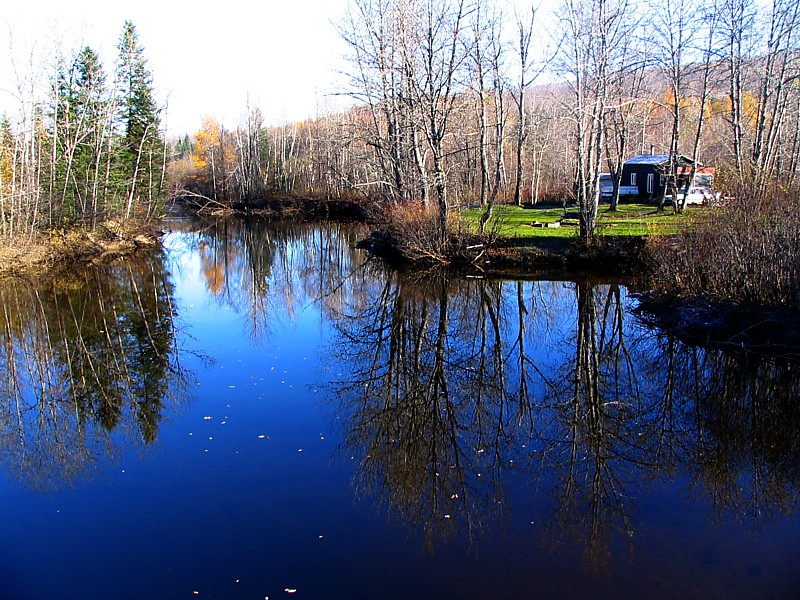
{"points": [[95, 352]]}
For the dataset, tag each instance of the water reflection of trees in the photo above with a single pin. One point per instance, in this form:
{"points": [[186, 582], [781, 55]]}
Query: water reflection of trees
{"points": [[740, 441], [458, 387], [85, 358], [595, 444], [259, 268], [416, 421]]}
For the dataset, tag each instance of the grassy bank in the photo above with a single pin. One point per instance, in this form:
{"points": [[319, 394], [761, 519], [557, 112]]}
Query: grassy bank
{"points": [[537, 238], [523, 241], [537, 223]]}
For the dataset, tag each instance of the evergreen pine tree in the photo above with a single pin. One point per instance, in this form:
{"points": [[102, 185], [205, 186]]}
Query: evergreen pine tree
{"points": [[63, 139], [92, 107], [141, 151], [81, 128]]}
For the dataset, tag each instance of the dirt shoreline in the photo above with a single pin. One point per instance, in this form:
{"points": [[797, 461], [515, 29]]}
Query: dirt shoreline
{"points": [[50, 253], [627, 258]]}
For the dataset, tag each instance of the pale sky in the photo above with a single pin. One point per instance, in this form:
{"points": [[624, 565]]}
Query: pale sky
{"points": [[207, 59]]}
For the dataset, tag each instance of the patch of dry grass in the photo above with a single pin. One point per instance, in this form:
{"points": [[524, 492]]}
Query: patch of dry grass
{"points": [[34, 257], [24, 257]]}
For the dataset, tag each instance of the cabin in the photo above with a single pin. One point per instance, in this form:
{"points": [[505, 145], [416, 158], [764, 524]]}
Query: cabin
{"points": [[644, 176]]}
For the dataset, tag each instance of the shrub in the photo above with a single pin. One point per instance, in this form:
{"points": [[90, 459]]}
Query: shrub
{"points": [[749, 252], [412, 235]]}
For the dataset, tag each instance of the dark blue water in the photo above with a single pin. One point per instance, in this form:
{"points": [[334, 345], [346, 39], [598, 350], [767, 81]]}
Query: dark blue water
{"points": [[262, 412]]}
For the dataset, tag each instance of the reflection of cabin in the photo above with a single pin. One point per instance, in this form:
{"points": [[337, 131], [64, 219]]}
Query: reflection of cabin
{"points": [[644, 177]]}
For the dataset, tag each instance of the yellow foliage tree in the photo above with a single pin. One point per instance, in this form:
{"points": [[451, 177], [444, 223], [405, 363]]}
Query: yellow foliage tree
{"points": [[214, 159]]}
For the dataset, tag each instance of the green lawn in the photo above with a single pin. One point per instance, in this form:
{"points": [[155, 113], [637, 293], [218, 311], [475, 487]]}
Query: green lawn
{"points": [[629, 219]]}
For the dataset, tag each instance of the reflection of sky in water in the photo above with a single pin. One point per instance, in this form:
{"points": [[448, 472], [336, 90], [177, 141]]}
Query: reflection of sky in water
{"points": [[251, 489]]}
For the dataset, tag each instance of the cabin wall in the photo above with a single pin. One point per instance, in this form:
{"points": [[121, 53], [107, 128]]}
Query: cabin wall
{"points": [[648, 188]]}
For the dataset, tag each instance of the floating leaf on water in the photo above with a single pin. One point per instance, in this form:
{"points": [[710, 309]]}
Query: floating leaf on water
{"points": [[261, 437], [207, 418], [290, 590]]}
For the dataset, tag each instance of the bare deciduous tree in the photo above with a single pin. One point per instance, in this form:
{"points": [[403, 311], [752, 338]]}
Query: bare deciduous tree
{"points": [[592, 30]]}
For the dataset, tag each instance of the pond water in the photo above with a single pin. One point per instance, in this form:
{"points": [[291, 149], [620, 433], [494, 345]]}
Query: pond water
{"points": [[261, 411]]}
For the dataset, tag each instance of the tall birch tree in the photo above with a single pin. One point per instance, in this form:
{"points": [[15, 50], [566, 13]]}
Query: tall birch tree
{"points": [[592, 31]]}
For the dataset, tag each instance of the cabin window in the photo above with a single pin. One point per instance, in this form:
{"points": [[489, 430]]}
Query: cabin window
{"points": [[661, 181], [650, 180], [633, 178]]}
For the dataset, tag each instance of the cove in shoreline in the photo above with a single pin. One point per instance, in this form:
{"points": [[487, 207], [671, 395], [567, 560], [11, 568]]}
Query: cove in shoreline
{"points": [[697, 319]]}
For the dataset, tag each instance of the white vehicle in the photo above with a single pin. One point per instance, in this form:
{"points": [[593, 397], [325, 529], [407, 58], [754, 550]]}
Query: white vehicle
{"points": [[696, 195], [606, 186]]}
